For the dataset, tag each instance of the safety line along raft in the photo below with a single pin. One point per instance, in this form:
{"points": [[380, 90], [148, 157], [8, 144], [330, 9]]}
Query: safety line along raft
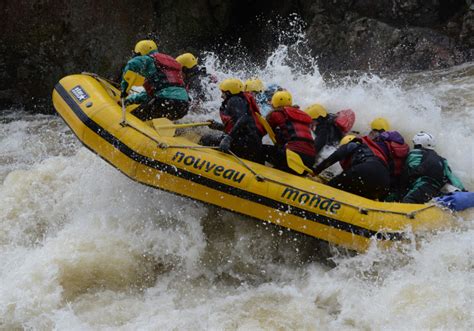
{"points": [[91, 108]]}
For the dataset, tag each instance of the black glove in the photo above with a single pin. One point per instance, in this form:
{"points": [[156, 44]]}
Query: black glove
{"points": [[216, 125], [225, 143], [123, 95]]}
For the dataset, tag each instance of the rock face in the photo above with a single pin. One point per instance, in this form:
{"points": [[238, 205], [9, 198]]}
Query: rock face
{"points": [[44, 40], [391, 35]]}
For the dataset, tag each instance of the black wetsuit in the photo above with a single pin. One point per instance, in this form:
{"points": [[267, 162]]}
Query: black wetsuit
{"points": [[194, 82], [326, 132], [424, 175], [366, 176], [246, 141]]}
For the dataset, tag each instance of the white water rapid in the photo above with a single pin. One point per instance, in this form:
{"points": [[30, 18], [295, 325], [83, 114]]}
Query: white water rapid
{"points": [[82, 247]]}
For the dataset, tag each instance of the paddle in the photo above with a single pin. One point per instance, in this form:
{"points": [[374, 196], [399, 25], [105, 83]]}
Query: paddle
{"points": [[267, 127], [167, 128], [296, 164]]}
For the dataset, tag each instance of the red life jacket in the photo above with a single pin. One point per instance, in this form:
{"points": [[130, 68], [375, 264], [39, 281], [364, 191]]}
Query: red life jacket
{"points": [[375, 149], [227, 121], [254, 110], [296, 126], [345, 120], [170, 68], [398, 154]]}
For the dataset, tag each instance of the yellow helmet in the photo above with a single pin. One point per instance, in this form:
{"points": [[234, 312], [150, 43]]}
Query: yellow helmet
{"points": [[254, 85], [282, 99], [347, 139], [316, 111], [232, 85], [187, 60], [143, 47], [380, 124]]}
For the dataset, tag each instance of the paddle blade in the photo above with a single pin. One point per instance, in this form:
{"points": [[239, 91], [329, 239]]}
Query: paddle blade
{"points": [[295, 163], [133, 79], [164, 127], [267, 127]]}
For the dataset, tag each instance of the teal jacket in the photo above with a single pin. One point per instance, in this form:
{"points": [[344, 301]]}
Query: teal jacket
{"points": [[144, 65], [418, 176]]}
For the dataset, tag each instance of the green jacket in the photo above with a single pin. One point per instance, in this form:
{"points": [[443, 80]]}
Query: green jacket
{"points": [[144, 65], [419, 174]]}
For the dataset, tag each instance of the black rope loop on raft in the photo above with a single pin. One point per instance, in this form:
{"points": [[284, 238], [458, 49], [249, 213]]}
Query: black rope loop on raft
{"points": [[261, 178]]}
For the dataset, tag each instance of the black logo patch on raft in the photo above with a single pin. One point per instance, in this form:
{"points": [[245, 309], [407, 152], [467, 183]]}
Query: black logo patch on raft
{"points": [[79, 93], [206, 166], [311, 200]]}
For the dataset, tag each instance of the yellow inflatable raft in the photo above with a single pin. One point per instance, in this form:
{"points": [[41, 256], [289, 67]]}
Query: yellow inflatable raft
{"points": [[90, 106]]}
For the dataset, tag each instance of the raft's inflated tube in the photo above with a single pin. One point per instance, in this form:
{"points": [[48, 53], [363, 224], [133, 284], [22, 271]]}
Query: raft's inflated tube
{"points": [[92, 109]]}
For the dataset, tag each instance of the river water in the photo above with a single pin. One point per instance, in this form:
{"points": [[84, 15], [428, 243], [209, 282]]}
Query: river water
{"points": [[85, 248]]}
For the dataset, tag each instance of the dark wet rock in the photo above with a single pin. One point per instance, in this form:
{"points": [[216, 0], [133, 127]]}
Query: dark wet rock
{"points": [[379, 35], [467, 32], [44, 40], [371, 44]]}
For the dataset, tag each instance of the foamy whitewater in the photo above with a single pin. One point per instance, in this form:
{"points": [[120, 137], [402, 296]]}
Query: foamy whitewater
{"points": [[82, 247]]}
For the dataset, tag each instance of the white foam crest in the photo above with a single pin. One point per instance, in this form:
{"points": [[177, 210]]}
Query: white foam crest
{"points": [[74, 225], [409, 107], [26, 139], [422, 288], [84, 247]]}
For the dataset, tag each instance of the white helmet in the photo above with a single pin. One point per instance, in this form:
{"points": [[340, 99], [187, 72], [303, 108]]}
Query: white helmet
{"points": [[424, 139]]}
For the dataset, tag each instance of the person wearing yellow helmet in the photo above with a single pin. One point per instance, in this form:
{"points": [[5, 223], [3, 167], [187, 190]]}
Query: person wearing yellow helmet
{"points": [[329, 128], [187, 60], [396, 151], [145, 47], [365, 169], [347, 139], [377, 126], [254, 85], [292, 132], [262, 94], [264, 98], [196, 78], [242, 131], [139, 66], [165, 94]]}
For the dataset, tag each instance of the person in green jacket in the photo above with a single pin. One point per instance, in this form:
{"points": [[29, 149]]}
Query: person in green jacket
{"points": [[425, 171], [165, 94]]}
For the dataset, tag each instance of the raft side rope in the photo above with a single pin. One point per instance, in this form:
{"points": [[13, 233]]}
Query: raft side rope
{"points": [[114, 84], [261, 178]]}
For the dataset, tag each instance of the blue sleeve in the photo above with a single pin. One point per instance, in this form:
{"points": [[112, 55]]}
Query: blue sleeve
{"points": [[457, 201]]}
